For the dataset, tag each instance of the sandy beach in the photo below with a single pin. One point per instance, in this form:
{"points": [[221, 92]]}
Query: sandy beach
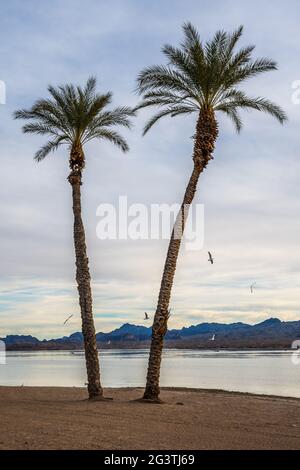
{"points": [[62, 418]]}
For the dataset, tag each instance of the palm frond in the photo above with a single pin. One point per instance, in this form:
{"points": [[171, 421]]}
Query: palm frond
{"points": [[50, 146], [232, 113], [204, 76], [39, 128], [164, 78], [237, 99], [75, 114], [191, 38], [171, 111], [112, 136], [232, 39]]}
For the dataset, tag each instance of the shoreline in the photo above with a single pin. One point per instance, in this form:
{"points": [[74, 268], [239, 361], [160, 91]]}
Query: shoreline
{"points": [[194, 419], [214, 391], [170, 348]]}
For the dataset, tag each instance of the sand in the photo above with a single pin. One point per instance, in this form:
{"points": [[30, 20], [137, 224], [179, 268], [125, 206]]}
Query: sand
{"points": [[62, 418]]}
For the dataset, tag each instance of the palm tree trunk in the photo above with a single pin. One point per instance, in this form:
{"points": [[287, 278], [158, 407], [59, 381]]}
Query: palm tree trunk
{"points": [[206, 135], [83, 279]]}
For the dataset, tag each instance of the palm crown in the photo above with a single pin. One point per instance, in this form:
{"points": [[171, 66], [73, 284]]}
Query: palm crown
{"points": [[74, 116], [207, 76]]}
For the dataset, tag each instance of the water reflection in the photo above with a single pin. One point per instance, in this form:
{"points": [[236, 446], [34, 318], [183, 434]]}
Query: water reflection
{"points": [[267, 372]]}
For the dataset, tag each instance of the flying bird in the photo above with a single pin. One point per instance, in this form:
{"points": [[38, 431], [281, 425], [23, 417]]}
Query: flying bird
{"points": [[68, 319], [210, 259], [252, 287], [146, 316]]}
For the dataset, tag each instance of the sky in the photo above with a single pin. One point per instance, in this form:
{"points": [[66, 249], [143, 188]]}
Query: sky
{"points": [[250, 191]]}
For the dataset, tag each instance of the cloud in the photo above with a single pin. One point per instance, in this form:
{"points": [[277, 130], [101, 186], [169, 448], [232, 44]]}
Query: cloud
{"points": [[250, 191]]}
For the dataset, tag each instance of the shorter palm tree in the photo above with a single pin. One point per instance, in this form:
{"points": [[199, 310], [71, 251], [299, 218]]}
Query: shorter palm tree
{"points": [[74, 116], [201, 79]]}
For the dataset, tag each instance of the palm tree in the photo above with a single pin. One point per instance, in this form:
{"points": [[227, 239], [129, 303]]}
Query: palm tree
{"points": [[74, 116], [203, 79]]}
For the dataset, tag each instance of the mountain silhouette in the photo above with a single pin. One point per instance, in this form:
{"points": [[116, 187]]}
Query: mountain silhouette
{"points": [[271, 333]]}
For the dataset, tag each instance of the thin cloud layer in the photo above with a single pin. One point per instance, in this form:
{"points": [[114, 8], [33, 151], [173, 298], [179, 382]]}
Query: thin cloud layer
{"points": [[250, 191]]}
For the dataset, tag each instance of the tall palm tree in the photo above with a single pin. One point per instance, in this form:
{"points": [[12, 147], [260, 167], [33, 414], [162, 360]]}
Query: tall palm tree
{"points": [[203, 79], [74, 116]]}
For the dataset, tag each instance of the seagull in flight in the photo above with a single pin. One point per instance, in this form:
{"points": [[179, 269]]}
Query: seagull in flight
{"points": [[68, 319], [210, 259], [252, 287], [146, 316]]}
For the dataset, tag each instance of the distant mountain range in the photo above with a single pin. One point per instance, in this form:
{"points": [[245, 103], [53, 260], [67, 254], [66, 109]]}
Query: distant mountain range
{"points": [[271, 333]]}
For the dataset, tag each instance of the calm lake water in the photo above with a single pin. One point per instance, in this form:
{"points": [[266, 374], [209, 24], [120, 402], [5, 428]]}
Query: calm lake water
{"points": [[261, 372]]}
